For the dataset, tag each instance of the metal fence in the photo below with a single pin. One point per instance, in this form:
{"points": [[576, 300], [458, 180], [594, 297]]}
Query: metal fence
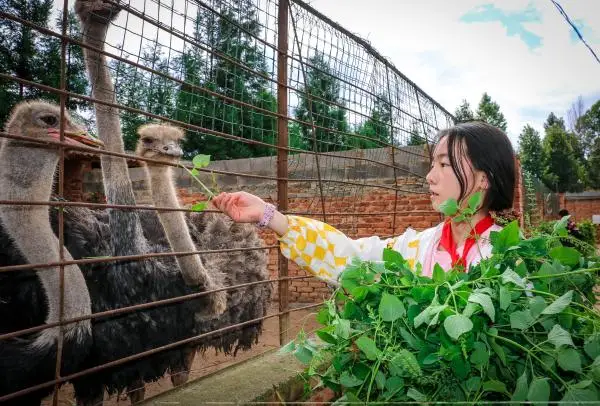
{"points": [[244, 78]]}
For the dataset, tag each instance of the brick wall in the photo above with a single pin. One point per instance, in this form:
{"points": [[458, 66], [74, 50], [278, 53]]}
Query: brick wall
{"points": [[582, 208]]}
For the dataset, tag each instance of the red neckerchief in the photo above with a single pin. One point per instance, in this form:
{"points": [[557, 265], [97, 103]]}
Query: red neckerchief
{"points": [[447, 242]]}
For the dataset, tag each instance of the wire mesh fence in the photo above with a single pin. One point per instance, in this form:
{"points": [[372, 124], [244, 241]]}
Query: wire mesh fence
{"points": [[288, 104]]}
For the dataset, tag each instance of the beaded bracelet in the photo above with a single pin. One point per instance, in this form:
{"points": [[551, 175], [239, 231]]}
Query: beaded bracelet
{"points": [[267, 215]]}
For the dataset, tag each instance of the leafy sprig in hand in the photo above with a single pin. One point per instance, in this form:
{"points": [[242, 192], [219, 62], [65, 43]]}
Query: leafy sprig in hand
{"points": [[201, 161]]}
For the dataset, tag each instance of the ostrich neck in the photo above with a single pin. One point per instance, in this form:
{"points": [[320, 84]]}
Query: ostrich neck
{"points": [[176, 229], [27, 174], [117, 184]]}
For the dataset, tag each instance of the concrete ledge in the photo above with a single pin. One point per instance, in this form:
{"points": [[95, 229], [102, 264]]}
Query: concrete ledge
{"points": [[240, 383]]}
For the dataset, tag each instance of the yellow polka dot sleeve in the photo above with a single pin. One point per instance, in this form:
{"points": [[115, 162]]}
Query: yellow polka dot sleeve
{"points": [[324, 251]]}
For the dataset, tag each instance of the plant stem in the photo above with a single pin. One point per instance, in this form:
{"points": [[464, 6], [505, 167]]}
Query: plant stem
{"points": [[211, 194], [519, 346]]}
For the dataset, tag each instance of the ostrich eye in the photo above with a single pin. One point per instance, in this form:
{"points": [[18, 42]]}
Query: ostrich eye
{"points": [[50, 120], [147, 140]]}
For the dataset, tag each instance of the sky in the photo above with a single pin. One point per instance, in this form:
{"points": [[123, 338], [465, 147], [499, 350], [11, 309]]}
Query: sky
{"points": [[522, 53]]}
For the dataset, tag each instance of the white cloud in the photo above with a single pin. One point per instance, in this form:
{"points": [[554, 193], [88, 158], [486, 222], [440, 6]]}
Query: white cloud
{"points": [[452, 60]]}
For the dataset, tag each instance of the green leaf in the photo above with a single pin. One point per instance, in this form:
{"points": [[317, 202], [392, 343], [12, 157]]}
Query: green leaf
{"points": [[559, 304], [576, 395], [325, 336], [595, 369], [485, 302], [393, 257], [349, 381], [391, 308], [480, 355], [539, 390], [511, 276], [475, 200], [428, 313], [506, 238], [559, 336], [342, 328], [201, 161], [494, 386], [504, 297], [592, 346], [199, 206], [456, 325], [195, 172], [560, 227], [565, 255], [380, 380], [289, 347], [473, 384], [405, 364], [439, 276], [537, 304], [449, 207], [368, 347], [568, 359], [416, 395], [303, 354], [521, 320], [411, 340], [521, 389]]}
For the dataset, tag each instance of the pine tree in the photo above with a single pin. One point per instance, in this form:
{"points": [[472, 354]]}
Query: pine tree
{"points": [[464, 112], [377, 126], [530, 151], [489, 111], [319, 104], [562, 172]]}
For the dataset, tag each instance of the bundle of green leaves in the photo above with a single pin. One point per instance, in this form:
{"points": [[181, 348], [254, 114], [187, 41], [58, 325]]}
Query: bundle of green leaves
{"points": [[519, 326]]}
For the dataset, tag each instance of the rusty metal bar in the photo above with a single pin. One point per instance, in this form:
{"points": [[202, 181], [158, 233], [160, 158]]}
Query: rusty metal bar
{"points": [[160, 208], [282, 158], [310, 112], [148, 352], [143, 306], [429, 152], [136, 257], [195, 87], [393, 153], [61, 192]]}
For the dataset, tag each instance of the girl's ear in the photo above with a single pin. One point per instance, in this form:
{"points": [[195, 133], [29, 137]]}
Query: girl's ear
{"points": [[484, 183]]}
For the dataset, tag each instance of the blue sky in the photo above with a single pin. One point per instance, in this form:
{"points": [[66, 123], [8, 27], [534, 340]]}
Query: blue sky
{"points": [[521, 52]]}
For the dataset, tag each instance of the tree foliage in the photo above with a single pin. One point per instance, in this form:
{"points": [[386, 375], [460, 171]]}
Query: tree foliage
{"points": [[489, 111], [530, 151]]}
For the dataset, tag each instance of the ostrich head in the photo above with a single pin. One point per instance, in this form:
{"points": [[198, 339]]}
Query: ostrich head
{"points": [[159, 141], [41, 120]]}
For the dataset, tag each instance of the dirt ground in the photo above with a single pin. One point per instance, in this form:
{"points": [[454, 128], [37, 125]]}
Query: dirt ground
{"points": [[211, 362]]}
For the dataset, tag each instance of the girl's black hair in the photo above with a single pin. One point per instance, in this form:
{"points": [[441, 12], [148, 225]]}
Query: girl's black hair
{"points": [[489, 150]]}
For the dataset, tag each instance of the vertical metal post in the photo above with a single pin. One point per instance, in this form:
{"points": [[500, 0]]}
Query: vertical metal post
{"points": [[392, 149], [282, 157], [61, 192], [423, 124]]}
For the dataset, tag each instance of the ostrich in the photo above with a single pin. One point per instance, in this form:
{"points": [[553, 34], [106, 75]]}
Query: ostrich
{"points": [[207, 231], [32, 298], [139, 282]]}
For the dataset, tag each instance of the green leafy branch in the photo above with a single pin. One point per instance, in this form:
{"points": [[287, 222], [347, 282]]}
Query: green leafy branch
{"points": [[201, 161]]}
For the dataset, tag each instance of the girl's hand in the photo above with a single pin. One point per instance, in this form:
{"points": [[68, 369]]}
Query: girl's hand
{"points": [[242, 207]]}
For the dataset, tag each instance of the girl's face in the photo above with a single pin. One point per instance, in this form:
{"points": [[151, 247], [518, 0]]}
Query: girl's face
{"points": [[442, 180]]}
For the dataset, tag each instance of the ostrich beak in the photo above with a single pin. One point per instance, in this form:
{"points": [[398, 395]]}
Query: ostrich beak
{"points": [[172, 149], [76, 137]]}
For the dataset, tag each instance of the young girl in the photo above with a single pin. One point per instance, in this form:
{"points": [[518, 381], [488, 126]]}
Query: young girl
{"points": [[468, 158]]}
